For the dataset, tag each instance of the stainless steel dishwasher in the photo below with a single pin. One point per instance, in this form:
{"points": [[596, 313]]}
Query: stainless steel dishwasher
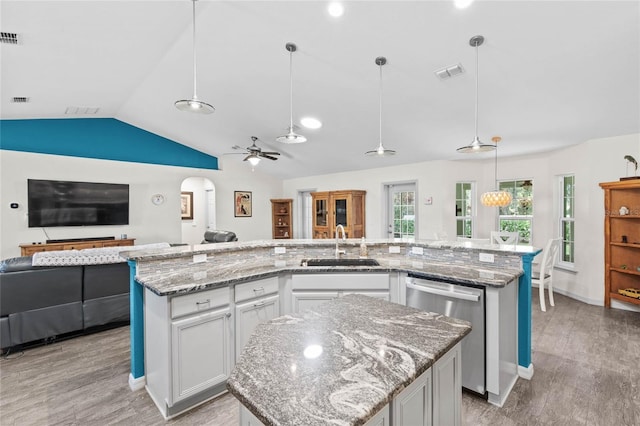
{"points": [[462, 302]]}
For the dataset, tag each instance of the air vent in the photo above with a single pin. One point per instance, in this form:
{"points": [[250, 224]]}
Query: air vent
{"points": [[20, 99], [8, 38], [81, 110], [450, 71]]}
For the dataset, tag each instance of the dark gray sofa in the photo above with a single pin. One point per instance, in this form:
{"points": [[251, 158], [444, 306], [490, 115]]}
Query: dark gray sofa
{"points": [[40, 302], [219, 237]]}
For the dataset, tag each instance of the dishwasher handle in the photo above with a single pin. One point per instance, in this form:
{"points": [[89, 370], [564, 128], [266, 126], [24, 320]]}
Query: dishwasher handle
{"points": [[454, 294]]}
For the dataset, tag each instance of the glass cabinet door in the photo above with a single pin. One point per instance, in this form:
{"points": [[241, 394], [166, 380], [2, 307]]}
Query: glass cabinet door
{"points": [[321, 212], [341, 212]]}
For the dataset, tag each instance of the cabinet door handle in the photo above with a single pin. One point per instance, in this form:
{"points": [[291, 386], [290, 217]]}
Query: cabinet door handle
{"points": [[255, 290], [228, 315], [202, 303], [259, 304]]}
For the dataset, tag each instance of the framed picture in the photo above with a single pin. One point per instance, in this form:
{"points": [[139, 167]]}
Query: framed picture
{"points": [[186, 205], [242, 203]]}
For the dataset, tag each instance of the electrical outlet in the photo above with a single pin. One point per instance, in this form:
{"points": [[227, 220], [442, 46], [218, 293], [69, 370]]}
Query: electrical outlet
{"points": [[486, 257], [279, 250], [394, 249], [199, 258], [417, 250]]}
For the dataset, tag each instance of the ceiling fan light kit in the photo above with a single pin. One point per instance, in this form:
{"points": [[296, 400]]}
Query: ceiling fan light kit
{"points": [[381, 151], [255, 153], [476, 145], [194, 104], [291, 137]]}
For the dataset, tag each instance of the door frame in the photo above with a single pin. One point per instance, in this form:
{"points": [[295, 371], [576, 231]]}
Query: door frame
{"points": [[385, 207], [298, 224]]}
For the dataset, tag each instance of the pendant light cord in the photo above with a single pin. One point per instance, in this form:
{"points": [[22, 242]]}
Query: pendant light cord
{"points": [[194, 50], [477, 79], [380, 102], [290, 91], [495, 175]]}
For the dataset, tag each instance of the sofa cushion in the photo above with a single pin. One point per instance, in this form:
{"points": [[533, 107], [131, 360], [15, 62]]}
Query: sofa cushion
{"points": [[38, 288], [16, 264], [219, 237], [105, 280]]}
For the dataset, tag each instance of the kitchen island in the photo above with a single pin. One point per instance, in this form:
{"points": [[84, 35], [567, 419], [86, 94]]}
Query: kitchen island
{"points": [[347, 360]]}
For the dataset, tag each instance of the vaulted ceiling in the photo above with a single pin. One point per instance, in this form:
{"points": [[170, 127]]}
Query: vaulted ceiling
{"points": [[551, 74]]}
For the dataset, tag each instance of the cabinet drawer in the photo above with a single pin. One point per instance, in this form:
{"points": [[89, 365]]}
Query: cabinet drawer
{"points": [[256, 288], [200, 301], [81, 246]]}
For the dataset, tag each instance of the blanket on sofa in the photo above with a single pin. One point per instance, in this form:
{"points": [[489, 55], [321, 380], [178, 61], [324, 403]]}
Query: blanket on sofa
{"points": [[94, 256]]}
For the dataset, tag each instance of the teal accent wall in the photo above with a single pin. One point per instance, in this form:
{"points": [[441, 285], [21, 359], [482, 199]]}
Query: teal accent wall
{"points": [[102, 138]]}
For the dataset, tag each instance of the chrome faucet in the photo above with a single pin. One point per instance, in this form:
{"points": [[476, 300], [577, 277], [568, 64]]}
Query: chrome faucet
{"points": [[344, 238]]}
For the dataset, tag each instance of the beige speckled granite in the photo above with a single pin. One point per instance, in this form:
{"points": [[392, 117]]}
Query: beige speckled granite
{"points": [[371, 350]]}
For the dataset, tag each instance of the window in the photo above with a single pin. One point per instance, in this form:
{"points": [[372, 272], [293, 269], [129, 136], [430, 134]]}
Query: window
{"points": [[567, 217], [518, 216], [464, 209], [403, 211]]}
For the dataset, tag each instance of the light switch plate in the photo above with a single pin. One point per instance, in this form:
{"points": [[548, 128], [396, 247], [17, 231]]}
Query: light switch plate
{"points": [[279, 250], [486, 257], [394, 249], [417, 250]]}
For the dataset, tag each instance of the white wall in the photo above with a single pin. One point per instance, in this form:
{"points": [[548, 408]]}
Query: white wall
{"points": [[148, 223], [193, 229], [591, 162]]}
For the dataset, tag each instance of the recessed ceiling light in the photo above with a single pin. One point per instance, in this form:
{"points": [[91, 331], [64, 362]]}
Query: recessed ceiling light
{"points": [[311, 123], [462, 4], [336, 9]]}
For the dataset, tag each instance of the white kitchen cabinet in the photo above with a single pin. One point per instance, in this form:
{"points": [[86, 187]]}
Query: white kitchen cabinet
{"points": [[251, 313], [188, 348], [309, 290], [447, 388], [200, 352], [381, 418], [302, 300], [413, 406]]}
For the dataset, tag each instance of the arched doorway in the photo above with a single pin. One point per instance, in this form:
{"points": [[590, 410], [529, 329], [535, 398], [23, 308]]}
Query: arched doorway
{"points": [[204, 209]]}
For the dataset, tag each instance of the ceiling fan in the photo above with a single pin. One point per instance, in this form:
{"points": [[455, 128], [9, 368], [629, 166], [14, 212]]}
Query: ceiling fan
{"points": [[255, 153]]}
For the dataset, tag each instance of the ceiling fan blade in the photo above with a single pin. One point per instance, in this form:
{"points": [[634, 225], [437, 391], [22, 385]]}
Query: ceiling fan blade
{"points": [[237, 147], [270, 153], [247, 157], [268, 156]]}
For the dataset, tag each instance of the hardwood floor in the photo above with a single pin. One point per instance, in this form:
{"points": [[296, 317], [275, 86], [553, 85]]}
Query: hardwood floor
{"points": [[586, 358]]}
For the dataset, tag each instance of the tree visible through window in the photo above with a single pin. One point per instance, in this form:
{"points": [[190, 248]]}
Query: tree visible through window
{"points": [[464, 209], [567, 210], [518, 216]]}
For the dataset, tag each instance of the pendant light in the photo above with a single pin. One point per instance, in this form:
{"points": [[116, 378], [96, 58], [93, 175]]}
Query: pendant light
{"points": [[496, 198], [381, 151], [194, 104], [476, 145], [291, 137]]}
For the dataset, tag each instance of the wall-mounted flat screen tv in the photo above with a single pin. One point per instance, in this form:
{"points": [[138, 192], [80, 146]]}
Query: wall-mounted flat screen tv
{"points": [[62, 203]]}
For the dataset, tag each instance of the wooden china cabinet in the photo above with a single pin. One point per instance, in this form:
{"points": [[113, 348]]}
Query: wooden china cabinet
{"points": [[281, 215], [333, 208], [622, 241]]}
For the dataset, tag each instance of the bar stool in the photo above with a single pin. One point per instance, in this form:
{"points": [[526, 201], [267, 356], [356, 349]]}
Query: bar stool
{"points": [[545, 274]]}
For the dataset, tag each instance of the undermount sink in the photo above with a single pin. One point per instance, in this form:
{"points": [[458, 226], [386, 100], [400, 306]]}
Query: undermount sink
{"points": [[339, 262]]}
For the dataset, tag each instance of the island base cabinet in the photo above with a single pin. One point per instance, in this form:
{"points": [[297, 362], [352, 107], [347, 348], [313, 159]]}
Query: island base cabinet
{"points": [[188, 348], [200, 355], [414, 405], [252, 313], [447, 388]]}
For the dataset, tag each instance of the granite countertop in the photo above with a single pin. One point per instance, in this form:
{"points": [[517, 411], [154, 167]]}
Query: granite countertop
{"points": [[200, 277], [367, 351]]}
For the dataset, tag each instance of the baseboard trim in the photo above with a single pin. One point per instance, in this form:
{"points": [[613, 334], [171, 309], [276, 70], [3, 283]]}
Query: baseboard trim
{"points": [[525, 372], [499, 400], [595, 302], [137, 383]]}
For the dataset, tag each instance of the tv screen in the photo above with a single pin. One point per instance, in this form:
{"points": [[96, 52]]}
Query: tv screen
{"points": [[61, 203]]}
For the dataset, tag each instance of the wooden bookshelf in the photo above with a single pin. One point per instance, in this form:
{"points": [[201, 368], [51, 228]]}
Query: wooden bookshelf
{"points": [[281, 218], [622, 240]]}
